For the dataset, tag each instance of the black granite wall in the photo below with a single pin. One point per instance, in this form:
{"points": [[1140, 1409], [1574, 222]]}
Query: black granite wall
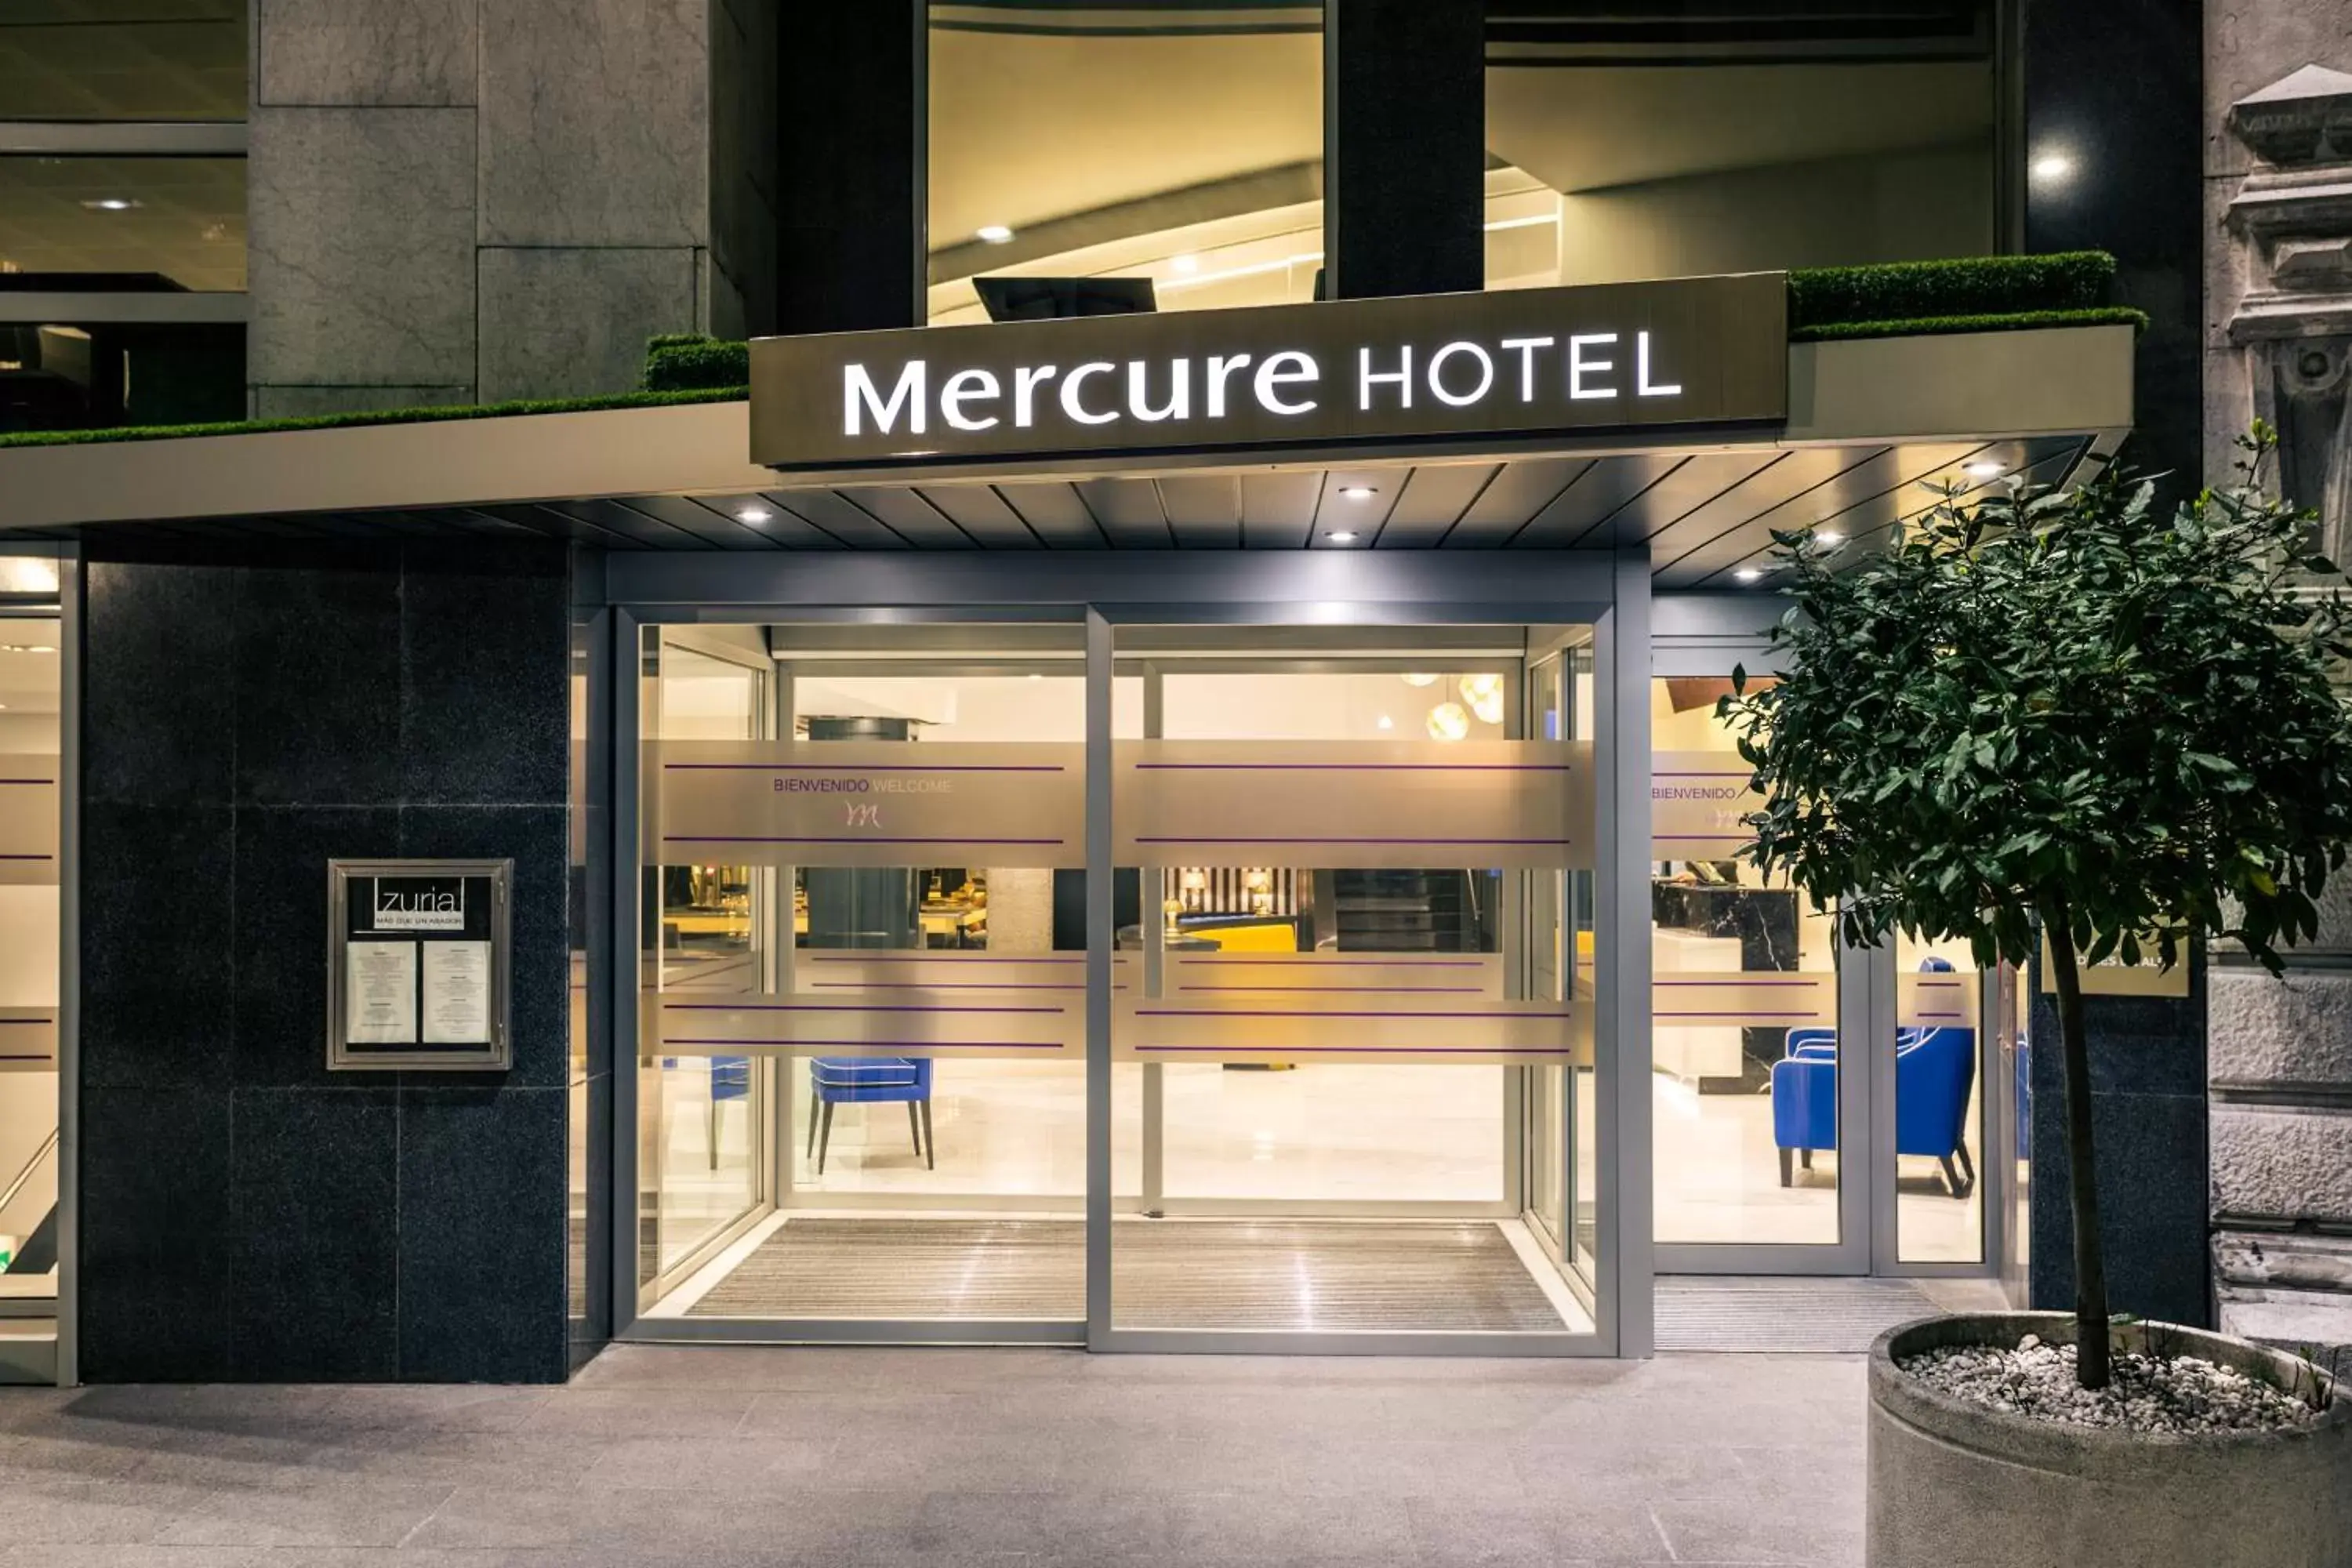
{"points": [[2148, 1127], [1404, 144], [247, 1215], [2117, 90]]}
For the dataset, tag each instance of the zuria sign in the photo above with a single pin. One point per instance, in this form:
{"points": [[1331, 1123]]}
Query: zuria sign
{"points": [[1522, 364]]}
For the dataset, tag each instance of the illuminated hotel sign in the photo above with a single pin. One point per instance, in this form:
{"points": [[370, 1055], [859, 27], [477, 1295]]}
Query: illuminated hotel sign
{"points": [[1519, 364]]}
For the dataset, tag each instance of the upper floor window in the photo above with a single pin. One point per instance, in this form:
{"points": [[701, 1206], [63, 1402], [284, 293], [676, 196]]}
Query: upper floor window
{"points": [[1179, 142], [122, 59]]}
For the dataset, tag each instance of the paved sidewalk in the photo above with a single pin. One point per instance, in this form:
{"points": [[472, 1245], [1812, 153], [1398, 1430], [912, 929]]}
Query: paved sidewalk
{"points": [[665, 1458]]}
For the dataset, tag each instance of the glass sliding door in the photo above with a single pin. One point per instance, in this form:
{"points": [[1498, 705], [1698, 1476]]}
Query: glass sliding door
{"points": [[905, 1007], [700, 1133], [1753, 1122], [1326, 1019]]}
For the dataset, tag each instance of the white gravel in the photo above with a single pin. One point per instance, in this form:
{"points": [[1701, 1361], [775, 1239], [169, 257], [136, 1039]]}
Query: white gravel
{"points": [[2145, 1394]]}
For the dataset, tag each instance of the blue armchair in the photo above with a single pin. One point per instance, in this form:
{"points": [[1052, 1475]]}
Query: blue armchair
{"points": [[730, 1078], [835, 1080], [1935, 1069]]}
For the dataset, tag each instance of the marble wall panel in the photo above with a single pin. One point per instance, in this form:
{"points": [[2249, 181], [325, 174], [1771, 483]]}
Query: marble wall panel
{"points": [[568, 322], [361, 237], [595, 122], [403, 53]]}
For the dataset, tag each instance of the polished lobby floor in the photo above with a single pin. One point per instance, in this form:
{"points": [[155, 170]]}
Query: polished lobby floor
{"points": [[1303, 1276], [1011, 1133], [677, 1457]]}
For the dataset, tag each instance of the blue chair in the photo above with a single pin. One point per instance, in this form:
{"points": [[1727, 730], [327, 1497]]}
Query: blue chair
{"points": [[730, 1078], [835, 1080], [1935, 1070]]}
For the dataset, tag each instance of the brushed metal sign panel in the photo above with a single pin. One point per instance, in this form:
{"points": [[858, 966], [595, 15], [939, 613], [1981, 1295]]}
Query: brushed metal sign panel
{"points": [[1516, 364]]}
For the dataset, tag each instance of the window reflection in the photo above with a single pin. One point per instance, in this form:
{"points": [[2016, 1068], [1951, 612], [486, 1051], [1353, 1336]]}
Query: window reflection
{"points": [[1069, 143], [102, 60], [122, 223]]}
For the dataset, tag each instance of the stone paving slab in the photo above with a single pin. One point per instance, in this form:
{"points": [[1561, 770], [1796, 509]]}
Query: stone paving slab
{"points": [[661, 1458]]}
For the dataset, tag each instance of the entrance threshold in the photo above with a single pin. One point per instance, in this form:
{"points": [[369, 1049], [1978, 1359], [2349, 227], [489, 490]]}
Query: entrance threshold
{"points": [[1826, 1316]]}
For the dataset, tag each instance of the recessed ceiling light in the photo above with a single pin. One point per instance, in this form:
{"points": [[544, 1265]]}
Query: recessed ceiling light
{"points": [[1185, 264], [1981, 470], [2053, 167], [109, 205], [1342, 536], [1828, 536], [993, 233], [26, 647], [1386, 723], [1358, 492], [755, 514], [1747, 574]]}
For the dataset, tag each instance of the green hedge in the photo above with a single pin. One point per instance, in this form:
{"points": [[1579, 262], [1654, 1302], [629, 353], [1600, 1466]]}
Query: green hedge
{"points": [[1991, 290], [1932, 326], [378, 416], [680, 363]]}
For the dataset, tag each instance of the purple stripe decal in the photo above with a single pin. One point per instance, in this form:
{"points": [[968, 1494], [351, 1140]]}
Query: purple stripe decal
{"points": [[36, 1057], [1943, 1015], [1708, 838], [28, 781], [1302, 1014], [1354, 767], [923, 1046], [1824, 980], [837, 1007], [1401, 843], [869, 767], [842, 839], [26, 856], [941, 986], [1403, 959], [1347, 990], [956, 958], [1736, 774], [1739, 1012], [1252, 1053]]}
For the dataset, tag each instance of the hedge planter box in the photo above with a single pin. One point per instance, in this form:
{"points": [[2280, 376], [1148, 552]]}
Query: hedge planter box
{"points": [[1958, 1485]]}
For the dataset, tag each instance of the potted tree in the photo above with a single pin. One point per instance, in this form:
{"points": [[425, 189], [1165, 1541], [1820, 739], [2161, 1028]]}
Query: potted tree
{"points": [[2067, 715]]}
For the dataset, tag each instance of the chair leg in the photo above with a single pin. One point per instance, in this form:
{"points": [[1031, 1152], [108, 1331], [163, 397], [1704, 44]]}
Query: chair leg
{"points": [[817, 1109], [914, 1127], [1968, 1165], [930, 1144], [713, 1140], [1788, 1168], [1805, 1158], [824, 1137], [1951, 1177]]}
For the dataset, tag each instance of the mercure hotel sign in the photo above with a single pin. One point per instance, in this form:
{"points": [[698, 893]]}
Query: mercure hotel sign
{"points": [[1519, 364]]}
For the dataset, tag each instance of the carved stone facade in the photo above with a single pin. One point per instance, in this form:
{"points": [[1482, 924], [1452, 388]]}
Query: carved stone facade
{"points": [[2279, 348]]}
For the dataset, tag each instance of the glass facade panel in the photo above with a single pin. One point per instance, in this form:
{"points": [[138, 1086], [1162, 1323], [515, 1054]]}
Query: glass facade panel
{"points": [[1181, 145], [915, 1036], [1939, 1103], [1345, 1046], [168, 223], [29, 867], [102, 60], [1621, 149], [1743, 1011], [700, 1129]]}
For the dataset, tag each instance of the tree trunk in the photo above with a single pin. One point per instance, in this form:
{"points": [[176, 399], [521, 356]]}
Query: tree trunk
{"points": [[2090, 1259]]}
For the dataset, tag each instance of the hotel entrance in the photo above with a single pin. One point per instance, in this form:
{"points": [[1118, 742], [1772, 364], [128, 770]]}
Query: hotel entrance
{"points": [[1146, 983]]}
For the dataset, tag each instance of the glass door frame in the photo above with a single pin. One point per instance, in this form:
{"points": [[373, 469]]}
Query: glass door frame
{"points": [[763, 1153], [1705, 636], [1610, 591]]}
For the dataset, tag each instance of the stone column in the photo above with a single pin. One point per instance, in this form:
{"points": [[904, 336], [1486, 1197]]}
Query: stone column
{"points": [[2279, 347]]}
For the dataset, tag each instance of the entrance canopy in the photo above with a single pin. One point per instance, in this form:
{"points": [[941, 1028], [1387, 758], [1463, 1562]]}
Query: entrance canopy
{"points": [[1718, 434]]}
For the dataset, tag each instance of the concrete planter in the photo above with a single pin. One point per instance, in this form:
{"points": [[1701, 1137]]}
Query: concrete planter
{"points": [[1954, 1485]]}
